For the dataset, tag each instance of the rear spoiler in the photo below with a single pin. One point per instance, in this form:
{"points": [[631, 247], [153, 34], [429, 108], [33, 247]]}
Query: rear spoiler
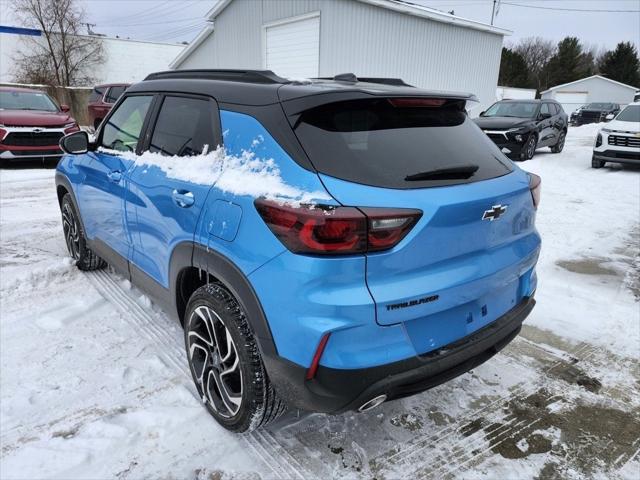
{"points": [[295, 106]]}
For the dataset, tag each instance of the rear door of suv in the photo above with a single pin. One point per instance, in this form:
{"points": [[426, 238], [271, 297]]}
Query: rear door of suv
{"points": [[166, 200]]}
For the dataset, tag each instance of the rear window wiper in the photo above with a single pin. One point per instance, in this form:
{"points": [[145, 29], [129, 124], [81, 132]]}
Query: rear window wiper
{"points": [[461, 172]]}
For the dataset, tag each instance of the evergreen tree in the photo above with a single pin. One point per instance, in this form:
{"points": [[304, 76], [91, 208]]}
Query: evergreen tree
{"points": [[569, 63], [513, 69], [622, 64]]}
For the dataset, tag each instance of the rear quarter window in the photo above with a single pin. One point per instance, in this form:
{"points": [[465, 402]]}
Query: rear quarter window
{"points": [[380, 142]]}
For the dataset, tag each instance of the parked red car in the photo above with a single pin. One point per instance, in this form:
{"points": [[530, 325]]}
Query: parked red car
{"points": [[31, 125], [102, 99]]}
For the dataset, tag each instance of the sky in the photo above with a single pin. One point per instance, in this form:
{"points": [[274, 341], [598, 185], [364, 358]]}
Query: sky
{"points": [[181, 20]]}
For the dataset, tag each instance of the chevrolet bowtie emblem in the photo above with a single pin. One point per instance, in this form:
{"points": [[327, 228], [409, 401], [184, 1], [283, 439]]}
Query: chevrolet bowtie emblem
{"points": [[494, 212]]}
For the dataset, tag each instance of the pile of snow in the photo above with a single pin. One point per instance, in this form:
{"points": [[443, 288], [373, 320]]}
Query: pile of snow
{"points": [[244, 174]]}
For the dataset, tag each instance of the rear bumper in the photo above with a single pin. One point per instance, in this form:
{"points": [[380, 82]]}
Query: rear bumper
{"points": [[337, 390]]}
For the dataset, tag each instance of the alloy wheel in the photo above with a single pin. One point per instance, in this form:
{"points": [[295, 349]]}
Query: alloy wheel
{"points": [[563, 136], [215, 362], [71, 231], [531, 147]]}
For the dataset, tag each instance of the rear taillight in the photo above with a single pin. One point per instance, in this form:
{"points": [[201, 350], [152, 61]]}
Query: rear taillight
{"points": [[535, 186], [327, 230]]}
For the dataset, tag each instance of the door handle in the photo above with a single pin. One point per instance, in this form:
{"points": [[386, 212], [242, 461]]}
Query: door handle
{"points": [[115, 176], [183, 198]]}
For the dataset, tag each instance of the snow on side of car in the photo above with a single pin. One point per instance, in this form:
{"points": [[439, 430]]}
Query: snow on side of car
{"points": [[244, 174]]}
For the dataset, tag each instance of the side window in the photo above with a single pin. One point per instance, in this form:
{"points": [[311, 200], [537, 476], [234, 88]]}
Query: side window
{"points": [[122, 130], [559, 108], [96, 94], [545, 108], [185, 127], [114, 94]]}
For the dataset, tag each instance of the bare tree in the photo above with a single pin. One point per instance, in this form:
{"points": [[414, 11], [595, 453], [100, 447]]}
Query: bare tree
{"points": [[536, 52], [62, 55]]}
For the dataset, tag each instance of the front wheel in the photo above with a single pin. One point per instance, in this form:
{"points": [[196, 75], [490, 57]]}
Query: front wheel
{"points": [[557, 148], [225, 362], [529, 148], [74, 238], [595, 163]]}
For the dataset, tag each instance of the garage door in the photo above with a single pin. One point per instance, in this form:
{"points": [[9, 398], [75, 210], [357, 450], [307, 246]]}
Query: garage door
{"points": [[571, 100], [292, 47]]}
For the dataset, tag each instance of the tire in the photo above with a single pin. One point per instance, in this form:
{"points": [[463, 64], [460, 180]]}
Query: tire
{"points": [[220, 343], [595, 163], [557, 148], [74, 238], [529, 148]]}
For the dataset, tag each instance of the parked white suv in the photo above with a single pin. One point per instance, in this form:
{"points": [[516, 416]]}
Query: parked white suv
{"points": [[619, 140]]}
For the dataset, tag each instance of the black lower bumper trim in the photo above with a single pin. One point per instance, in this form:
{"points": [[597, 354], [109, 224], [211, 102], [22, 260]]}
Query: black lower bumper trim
{"points": [[335, 390], [617, 156]]}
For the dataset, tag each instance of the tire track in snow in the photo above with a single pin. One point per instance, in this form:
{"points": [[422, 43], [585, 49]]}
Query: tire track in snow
{"points": [[158, 329], [412, 460]]}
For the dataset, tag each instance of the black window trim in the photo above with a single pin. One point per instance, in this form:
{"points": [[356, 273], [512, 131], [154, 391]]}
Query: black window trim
{"points": [[154, 112]]}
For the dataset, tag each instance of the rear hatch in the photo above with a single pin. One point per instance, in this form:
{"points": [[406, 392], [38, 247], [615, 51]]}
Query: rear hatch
{"points": [[470, 257]]}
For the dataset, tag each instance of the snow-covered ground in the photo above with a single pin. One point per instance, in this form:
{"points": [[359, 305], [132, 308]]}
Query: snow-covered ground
{"points": [[94, 381]]}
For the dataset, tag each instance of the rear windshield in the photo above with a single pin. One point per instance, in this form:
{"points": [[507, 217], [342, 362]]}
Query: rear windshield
{"points": [[381, 142], [96, 94], [630, 114]]}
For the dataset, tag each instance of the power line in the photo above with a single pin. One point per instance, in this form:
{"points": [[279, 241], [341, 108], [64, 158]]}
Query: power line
{"points": [[175, 32], [590, 10], [191, 19]]}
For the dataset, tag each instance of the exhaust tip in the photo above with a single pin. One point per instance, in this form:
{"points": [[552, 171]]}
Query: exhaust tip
{"points": [[373, 403]]}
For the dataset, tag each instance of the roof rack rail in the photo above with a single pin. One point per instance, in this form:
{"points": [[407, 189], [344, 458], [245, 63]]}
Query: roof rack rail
{"points": [[350, 77], [249, 76]]}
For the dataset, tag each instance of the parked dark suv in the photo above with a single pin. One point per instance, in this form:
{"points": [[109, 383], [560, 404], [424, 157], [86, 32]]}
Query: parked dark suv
{"points": [[597, 112], [519, 127], [102, 99], [327, 244]]}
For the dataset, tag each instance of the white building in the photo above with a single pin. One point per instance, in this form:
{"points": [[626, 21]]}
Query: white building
{"points": [[513, 93], [126, 61], [589, 90], [375, 38]]}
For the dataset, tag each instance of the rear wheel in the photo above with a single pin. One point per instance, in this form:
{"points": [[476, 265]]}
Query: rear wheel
{"points": [[74, 238], [225, 362], [557, 148], [595, 163], [529, 148]]}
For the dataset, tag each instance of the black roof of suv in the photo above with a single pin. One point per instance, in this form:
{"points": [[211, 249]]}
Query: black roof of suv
{"points": [[263, 87]]}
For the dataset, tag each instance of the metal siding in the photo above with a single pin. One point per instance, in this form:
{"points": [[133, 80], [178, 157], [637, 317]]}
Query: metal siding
{"points": [[363, 39], [598, 90]]}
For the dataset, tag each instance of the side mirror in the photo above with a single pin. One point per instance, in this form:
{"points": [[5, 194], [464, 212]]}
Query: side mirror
{"points": [[482, 113], [64, 108], [544, 116], [609, 117], [75, 143]]}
